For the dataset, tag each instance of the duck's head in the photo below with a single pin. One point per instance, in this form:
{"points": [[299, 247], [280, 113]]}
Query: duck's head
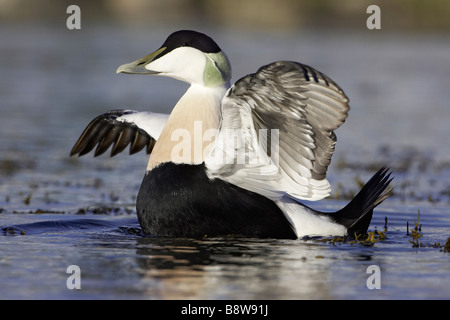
{"points": [[186, 55]]}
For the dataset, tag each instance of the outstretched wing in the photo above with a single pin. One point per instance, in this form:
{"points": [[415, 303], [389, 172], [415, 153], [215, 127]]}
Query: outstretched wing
{"points": [[121, 128], [284, 116]]}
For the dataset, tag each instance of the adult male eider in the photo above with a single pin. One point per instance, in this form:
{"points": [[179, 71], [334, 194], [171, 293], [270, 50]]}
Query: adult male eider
{"points": [[235, 160]]}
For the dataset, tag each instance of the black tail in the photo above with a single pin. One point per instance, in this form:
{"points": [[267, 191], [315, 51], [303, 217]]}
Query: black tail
{"points": [[356, 216]]}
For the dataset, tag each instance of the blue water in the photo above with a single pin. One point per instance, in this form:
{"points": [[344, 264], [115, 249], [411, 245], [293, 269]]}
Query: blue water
{"points": [[57, 211]]}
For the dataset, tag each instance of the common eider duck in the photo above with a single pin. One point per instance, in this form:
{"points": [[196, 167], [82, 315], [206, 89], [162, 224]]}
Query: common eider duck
{"points": [[235, 160]]}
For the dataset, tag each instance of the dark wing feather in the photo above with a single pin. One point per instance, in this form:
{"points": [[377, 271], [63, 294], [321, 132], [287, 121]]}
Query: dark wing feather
{"points": [[106, 130]]}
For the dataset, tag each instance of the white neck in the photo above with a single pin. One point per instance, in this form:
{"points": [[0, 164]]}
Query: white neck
{"points": [[191, 128]]}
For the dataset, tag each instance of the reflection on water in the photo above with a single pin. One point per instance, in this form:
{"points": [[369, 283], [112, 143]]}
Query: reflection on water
{"points": [[231, 268], [56, 211], [117, 261]]}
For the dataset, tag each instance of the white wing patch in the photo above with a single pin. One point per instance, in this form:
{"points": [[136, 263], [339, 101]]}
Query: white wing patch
{"points": [[151, 122]]}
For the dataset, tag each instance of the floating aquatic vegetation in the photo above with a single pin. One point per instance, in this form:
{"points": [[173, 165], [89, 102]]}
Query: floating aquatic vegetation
{"points": [[105, 210], [12, 231], [372, 237], [368, 239], [27, 200], [416, 233], [447, 245]]}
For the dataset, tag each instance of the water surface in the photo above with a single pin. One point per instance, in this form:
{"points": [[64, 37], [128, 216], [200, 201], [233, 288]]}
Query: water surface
{"points": [[57, 211]]}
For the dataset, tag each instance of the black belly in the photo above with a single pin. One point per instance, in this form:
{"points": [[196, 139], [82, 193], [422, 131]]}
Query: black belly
{"points": [[179, 200]]}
